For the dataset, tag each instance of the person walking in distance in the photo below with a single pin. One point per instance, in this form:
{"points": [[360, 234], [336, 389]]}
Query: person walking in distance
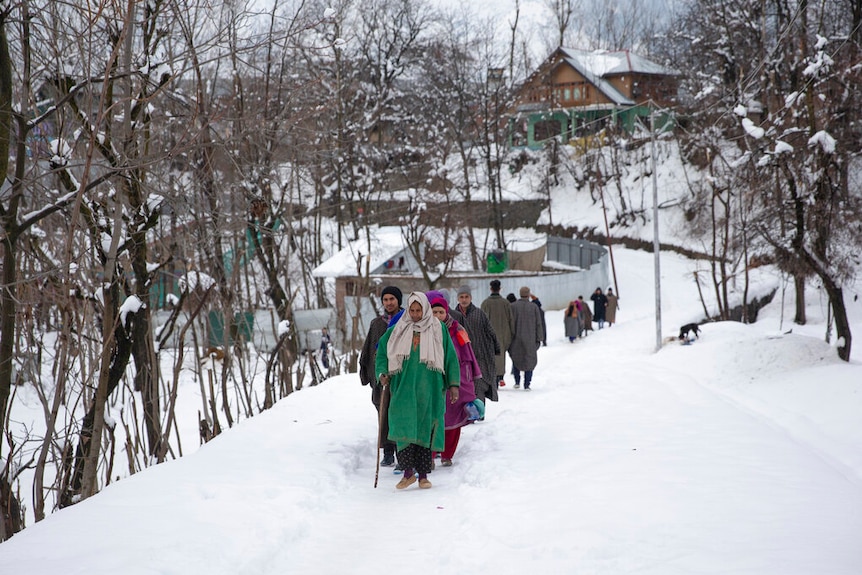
{"points": [[485, 344], [538, 303], [325, 342], [586, 316], [528, 338], [499, 312], [613, 306], [600, 306], [391, 298], [458, 413], [418, 362], [572, 321]]}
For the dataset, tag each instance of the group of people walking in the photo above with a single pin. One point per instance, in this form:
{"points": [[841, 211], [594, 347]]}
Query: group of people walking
{"points": [[578, 319], [432, 368], [438, 367]]}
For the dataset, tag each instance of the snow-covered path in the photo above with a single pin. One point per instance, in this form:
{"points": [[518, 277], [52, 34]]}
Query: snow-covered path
{"points": [[694, 459]]}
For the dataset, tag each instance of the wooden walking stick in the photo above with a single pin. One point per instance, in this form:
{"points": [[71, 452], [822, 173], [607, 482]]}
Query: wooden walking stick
{"points": [[382, 416]]}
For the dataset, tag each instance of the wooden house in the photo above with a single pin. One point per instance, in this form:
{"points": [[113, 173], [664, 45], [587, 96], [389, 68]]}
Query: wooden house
{"points": [[575, 94]]}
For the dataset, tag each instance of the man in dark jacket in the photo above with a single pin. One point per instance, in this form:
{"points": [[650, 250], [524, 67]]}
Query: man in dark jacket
{"points": [[600, 306], [391, 297], [485, 344]]}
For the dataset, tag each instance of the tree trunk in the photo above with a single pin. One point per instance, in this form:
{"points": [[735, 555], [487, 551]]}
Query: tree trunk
{"points": [[10, 516], [799, 283], [59, 395], [836, 300], [8, 220], [89, 439], [143, 346]]}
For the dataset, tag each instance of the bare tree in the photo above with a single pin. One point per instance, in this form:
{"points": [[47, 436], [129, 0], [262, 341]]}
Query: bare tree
{"points": [[564, 12], [774, 83]]}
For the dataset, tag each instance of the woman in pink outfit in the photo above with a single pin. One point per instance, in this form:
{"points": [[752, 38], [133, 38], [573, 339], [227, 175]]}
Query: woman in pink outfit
{"points": [[457, 415]]}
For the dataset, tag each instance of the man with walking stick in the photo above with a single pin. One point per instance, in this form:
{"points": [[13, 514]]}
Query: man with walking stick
{"points": [[391, 298], [382, 427]]}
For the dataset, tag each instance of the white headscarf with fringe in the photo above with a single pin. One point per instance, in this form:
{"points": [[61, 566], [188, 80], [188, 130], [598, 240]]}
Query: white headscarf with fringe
{"points": [[430, 337]]}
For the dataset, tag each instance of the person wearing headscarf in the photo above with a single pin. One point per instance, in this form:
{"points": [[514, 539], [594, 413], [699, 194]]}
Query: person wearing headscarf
{"points": [[457, 414], [434, 294], [418, 361], [572, 321], [391, 298]]}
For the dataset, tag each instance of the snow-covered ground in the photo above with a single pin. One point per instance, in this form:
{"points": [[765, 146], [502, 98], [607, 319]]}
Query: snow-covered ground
{"points": [[741, 453]]}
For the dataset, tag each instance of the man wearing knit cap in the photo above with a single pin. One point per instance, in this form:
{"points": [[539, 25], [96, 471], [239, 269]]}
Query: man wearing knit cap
{"points": [[485, 344], [391, 298], [499, 312], [529, 335], [396, 293]]}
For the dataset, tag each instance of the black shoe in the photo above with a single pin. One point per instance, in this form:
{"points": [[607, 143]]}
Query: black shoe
{"points": [[399, 469], [388, 460]]}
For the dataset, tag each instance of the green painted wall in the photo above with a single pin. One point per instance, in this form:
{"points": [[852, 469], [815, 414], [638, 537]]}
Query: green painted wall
{"points": [[626, 119]]}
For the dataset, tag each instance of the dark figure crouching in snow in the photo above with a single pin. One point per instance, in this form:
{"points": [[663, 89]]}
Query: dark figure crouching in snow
{"points": [[689, 327]]}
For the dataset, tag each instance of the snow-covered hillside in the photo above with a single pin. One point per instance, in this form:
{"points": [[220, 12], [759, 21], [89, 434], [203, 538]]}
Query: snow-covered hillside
{"points": [[737, 454]]}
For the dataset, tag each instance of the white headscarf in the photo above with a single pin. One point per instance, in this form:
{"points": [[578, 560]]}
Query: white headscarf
{"points": [[430, 337]]}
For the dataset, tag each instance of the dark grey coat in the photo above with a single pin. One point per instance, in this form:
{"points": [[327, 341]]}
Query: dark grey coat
{"points": [[485, 346], [529, 335], [499, 312]]}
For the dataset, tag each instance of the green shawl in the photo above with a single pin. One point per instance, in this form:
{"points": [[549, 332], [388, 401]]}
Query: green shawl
{"points": [[417, 401]]}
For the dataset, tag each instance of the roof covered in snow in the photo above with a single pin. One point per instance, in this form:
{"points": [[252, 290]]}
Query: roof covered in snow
{"points": [[603, 63], [597, 66], [380, 245]]}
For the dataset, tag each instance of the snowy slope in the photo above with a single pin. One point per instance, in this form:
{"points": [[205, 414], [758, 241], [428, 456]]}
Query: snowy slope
{"points": [[737, 454]]}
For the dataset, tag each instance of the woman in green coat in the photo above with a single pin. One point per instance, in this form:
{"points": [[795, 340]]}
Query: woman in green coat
{"points": [[419, 365]]}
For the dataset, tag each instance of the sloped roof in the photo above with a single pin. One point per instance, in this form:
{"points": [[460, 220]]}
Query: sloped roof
{"points": [[585, 66], [603, 63], [386, 242], [599, 65]]}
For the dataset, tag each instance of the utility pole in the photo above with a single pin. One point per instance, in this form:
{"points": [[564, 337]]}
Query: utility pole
{"points": [[607, 227], [655, 239]]}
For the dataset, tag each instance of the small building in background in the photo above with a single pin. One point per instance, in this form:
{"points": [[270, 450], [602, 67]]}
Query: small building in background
{"points": [[556, 269]]}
